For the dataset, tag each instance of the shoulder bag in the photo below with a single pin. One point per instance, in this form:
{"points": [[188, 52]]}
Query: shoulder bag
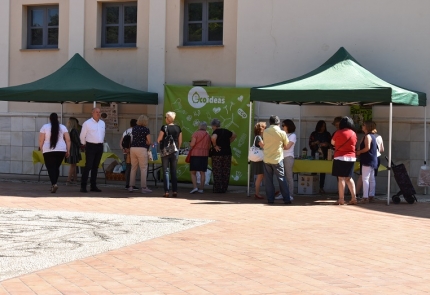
{"points": [[255, 154], [188, 158]]}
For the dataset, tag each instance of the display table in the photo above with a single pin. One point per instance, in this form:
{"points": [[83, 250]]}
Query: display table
{"points": [[320, 166], [38, 158], [152, 169]]}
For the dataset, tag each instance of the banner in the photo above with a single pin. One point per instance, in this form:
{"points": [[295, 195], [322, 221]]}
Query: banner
{"points": [[109, 114], [194, 104]]}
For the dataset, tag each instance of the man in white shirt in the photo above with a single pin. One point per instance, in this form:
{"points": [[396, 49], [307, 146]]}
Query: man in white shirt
{"points": [[92, 137]]}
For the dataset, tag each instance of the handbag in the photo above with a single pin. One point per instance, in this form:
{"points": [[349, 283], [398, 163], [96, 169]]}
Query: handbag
{"points": [[169, 144], [150, 158], [255, 154]]}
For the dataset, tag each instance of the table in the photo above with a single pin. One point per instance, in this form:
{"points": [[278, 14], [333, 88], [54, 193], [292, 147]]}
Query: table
{"points": [[321, 166], [181, 161], [38, 158]]}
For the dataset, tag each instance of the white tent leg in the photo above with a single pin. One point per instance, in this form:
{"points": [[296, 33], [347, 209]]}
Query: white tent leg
{"points": [[94, 104], [390, 134], [300, 130], [249, 144], [425, 141]]}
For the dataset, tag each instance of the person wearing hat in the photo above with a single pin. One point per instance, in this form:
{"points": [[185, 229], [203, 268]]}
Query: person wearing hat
{"points": [[275, 141]]}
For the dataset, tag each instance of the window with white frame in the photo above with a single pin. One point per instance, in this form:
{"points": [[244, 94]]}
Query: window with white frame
{"points": [[119, 27], [203, 22], [42, 26]]}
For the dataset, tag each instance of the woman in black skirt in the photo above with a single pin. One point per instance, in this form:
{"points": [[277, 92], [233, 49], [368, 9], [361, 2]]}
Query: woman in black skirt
{"points": [[344, 141], [200, 144], [75, 152]]}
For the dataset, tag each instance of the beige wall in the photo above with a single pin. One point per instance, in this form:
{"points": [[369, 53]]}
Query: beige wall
{"points": [[189, 63]]}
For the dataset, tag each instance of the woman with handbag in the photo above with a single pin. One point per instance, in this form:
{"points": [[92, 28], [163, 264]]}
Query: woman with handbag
{"points": [[140, 143], [258, 167], [344, 141], [221, 157], [199, 153], [170, 140]]}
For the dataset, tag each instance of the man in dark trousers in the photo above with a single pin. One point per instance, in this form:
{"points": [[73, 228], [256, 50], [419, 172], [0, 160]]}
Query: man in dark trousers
{"points": [[92, 137]]}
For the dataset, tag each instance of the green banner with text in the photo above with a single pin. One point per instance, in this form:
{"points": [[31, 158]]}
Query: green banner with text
{"points": [[194, 104]]}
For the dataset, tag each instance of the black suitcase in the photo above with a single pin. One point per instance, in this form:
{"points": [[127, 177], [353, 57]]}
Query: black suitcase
{"points": [[404, 182]]}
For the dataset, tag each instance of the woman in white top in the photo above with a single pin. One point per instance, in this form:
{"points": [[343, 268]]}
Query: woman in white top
{"points": [[54, 142], [289, 128]]}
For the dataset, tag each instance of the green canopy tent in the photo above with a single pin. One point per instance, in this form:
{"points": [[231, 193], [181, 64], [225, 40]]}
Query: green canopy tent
{"points": [[78, 82], [341, 80]]}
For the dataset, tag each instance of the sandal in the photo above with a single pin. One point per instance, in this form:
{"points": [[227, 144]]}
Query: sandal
{"points": [[339, 202], [166, 195], [175, 194], [364, 201], [258, 197], [352, 202]]}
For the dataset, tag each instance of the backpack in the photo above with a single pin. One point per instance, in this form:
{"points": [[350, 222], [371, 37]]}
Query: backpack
{"points": [[126, 141]]}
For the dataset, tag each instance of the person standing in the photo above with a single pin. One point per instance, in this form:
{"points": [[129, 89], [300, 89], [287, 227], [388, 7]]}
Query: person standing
{"points": [[92, 138], [221, 158], [54, 142], [289, 127], [344, 141], [200, 145], [275, 141], [170, 161], [75, 150], [126, 152], [258, 167], [320, 141], [368, 160], [140, 143]]}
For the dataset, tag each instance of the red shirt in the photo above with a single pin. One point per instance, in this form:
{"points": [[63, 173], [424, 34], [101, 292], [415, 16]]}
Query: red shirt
{"points": [[345, 141], [202, 144]]}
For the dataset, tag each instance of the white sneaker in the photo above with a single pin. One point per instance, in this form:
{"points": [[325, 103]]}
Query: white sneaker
{"points": [[146, 190], [279, 197], [200, 191], [194, 190], [291, 198]]}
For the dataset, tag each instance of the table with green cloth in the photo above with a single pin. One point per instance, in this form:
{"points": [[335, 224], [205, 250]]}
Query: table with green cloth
{"points": [[38, 158], [320, 166]]}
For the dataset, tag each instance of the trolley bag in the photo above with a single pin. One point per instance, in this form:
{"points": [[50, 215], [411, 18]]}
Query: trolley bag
{"points": [[404, 182]]}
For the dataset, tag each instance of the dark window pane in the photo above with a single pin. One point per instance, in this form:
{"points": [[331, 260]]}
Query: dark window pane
{"points": [[53, 36], [112, 15], [216, 10], [130, 34], [194, 32], [37, 17], [112, 35], [130, 14], [36, 37], [53, 17], [195, 12], [215, 32]]}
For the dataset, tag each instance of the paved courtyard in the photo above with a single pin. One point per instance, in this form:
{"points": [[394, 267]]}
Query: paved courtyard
{"points": [[117, 242]]}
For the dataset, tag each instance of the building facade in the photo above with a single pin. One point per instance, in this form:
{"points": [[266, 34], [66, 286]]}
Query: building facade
{"points": [[145, 44]]}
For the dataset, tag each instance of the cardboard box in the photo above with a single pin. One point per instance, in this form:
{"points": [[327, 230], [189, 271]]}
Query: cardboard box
{"points": [[308, 184]]}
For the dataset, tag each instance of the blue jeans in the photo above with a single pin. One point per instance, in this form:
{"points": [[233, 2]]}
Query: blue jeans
{"points": [[169, 167], [278, 171]]}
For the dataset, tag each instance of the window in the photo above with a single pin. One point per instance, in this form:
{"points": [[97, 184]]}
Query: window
{"points": [[203, 23], [119, 27], [42, 30]]}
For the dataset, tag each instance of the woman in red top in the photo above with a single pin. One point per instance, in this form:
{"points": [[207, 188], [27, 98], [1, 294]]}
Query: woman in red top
{"points": [[344, 141], [200, 144]]}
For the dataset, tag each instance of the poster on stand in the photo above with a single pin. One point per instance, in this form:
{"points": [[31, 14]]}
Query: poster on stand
{"points": [[109, 114], [194, 104], [360, 114]]}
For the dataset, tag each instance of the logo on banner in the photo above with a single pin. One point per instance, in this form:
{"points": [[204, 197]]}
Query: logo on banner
{"points": [[198, 98]]}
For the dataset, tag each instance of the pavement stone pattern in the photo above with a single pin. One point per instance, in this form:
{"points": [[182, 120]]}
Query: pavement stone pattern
{"points": [[31, 240], [310, 247]]}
